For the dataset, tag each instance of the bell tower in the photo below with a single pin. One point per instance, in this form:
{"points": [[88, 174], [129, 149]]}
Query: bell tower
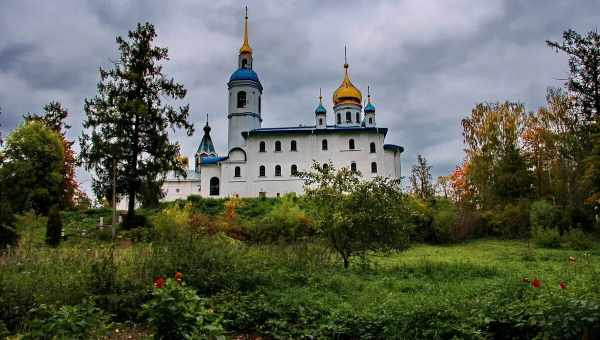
{"points": [[245, 91]]}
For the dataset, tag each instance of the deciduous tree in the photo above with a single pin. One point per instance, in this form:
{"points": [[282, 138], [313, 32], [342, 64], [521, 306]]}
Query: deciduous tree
{"points": [[420, 179], [356, 216]]}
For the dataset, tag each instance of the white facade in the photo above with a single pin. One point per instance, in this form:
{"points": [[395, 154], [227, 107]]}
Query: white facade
{"points": [[350, 139]]}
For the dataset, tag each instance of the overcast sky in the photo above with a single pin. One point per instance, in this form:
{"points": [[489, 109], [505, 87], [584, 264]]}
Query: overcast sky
{"points": [[427, 62]]}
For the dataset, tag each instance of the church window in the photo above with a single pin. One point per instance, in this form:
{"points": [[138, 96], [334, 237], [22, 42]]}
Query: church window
{"points": [[324, 144], [241, 99], [214, 186], [244, 63], [372, 147], [358, 117], [277, 146], [293, 146], [177, 190], [259, 103], [294, 170], [325, 167], [374, 167], [348, 117], [278, 170], [339, 118], [353, 166], [237, 172], [320, 121], [262, 147], [351, 144], [261, 171], [370, 120]]}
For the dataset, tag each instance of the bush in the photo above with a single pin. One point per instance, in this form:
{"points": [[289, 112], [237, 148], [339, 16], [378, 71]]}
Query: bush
{"points": [[510, 221], [577, 239], [53, 227], [176, 312], [69, 322], [284, 222], [546, 237], [444, 222], [543, 215], [172, 222]]}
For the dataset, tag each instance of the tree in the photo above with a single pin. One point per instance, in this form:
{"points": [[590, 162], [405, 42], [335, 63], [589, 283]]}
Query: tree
{"points": [[129, 121], [356, 216], [53, 227], [421, 180], [33, 168], [492, 138], [583, 84], [54, 118]]}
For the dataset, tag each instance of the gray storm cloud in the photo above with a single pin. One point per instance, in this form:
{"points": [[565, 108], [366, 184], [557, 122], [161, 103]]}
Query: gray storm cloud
{"points": [[427, 62]]}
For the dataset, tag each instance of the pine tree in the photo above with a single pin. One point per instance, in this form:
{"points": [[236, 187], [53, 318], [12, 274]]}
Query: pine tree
{"points": [[129, 121], [54, 227]]}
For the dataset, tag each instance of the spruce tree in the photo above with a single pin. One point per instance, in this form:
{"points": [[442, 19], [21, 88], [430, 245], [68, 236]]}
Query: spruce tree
{"points": [[128, 120]]}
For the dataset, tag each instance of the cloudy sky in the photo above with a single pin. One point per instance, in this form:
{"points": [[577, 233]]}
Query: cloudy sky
{"points": [[427, 62]]}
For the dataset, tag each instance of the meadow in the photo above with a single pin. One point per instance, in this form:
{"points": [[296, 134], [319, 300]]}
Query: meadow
{"points": [[482, 288]]}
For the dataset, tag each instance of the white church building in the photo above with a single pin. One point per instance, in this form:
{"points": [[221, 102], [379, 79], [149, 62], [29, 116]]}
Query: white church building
{"points": [[264, 161]]}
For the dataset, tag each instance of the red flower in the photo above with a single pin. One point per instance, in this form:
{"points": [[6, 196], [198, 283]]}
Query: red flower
{"points": [[159, 282], [536, 283], [178, 277], [563, 285]]}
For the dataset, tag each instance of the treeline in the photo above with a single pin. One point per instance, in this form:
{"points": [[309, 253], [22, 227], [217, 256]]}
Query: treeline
{"points": [[530, 173]]}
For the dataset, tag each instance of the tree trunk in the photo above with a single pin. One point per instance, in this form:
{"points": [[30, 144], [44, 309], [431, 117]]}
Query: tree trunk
{"points": [[346, 262]]}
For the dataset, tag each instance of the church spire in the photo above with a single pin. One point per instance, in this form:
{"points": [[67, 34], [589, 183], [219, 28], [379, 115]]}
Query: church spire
{"points": [[246, 45]]}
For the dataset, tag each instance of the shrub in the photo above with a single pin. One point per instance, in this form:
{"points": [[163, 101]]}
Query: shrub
{"points": [[171, 222], [577, 239], [543, 215], [421, 216], [69, 322], [176, 312], [444, 222], [510, 221], [546, 237], [285, 222], [53, 227]]}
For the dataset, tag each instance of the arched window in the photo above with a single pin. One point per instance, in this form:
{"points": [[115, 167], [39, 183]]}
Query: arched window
{"points": [[370, 120], [244, 63], [261, 171], [353, 166], [278, 170], [324, 144], [277, 146], [214, 186], [351, 144], [339, 118], [294, 170], [241, 99], [320, 121], [374, 167], [348, 117], [262, 147], [237, 172], [293, 146], [325, 166], [259, 104], [357, 117], [372, 147]]}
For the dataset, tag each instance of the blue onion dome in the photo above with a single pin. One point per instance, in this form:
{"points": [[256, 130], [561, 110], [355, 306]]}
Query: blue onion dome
{"points": [[320, 109], [244, 74], [370, 108]]}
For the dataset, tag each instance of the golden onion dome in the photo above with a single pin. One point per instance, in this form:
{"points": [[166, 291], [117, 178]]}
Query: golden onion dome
{"points": [[347, 93], [245, 45]]}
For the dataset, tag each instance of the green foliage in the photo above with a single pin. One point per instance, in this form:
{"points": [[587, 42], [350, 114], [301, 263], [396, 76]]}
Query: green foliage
{"points": [[176, 312], [31, 175], [136, 138], [172, 222], [543, 215], [445, 217], [356, 216], [546, 237], [69, 322], [8, 232], [577, 239], [53, 227], [510, 221], [286, 221]]}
